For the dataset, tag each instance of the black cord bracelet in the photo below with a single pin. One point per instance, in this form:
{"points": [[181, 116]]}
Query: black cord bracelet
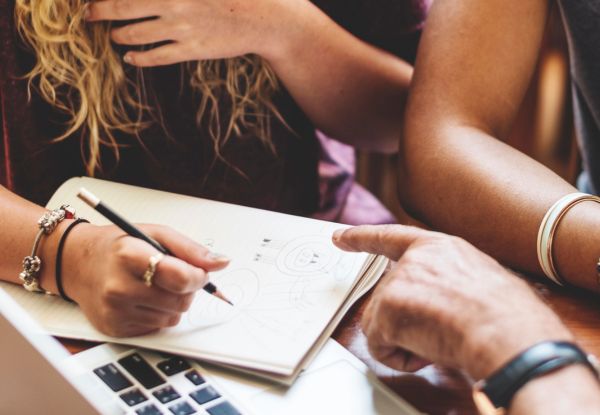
{"points": [[61, 245]]}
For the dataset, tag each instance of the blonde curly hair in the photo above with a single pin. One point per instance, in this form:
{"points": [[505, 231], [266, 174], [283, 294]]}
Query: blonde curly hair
{"points": [[100, 99]]}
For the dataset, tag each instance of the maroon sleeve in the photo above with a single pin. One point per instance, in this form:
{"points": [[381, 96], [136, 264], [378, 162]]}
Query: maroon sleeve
{"points": [[393, 25], [6, 48], [6, 44]]}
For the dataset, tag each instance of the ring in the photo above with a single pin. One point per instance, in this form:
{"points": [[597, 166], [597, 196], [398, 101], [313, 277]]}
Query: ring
{"points": [[151, 270]]}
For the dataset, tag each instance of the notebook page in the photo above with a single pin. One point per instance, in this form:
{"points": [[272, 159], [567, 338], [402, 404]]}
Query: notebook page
{"points": [[286, 278]]}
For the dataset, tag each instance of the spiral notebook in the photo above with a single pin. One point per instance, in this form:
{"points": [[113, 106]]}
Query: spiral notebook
{"points": [[291, 286]]}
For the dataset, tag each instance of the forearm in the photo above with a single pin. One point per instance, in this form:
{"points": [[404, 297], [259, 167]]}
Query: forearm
{"points": [[572, 390], [456, 175], [18, 221], [349, 89], [500, 202]]}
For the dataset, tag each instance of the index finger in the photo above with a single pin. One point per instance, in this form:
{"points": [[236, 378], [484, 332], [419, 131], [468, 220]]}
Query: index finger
{"points": [[122, 9], [389, 240]]}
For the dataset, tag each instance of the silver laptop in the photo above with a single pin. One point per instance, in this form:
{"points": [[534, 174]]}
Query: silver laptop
{"points": [[39, 376]]}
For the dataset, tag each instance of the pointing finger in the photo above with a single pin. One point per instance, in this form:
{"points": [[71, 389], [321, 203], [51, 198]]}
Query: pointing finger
{"points": [[389, 240]]}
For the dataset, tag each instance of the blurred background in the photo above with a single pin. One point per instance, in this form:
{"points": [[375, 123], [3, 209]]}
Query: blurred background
{"points": [[543, 129]]}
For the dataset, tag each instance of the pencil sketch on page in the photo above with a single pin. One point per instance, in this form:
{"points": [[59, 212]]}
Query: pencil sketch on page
{"points": [[296, 274]]}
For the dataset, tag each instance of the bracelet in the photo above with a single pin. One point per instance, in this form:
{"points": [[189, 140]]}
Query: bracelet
{"points": [[32, 264], [58, 268], [494, 394], [548, 228]]}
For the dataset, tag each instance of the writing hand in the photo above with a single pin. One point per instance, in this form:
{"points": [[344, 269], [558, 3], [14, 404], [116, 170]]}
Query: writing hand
{"points": [[103, 269]]}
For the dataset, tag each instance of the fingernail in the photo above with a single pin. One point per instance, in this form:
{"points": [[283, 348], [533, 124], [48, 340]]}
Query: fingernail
{"points": [[215, 256], [337, 235], [128, 59]]}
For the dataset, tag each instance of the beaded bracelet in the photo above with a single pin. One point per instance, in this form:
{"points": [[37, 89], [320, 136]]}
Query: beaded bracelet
{"points": [[59, 251], [32, 264]]}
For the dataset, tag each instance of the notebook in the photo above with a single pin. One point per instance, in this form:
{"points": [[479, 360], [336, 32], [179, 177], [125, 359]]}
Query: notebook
{"points": [[291, 286]]}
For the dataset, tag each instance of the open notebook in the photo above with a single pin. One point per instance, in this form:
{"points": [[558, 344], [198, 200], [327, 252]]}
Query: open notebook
{"points": [[290, 284]]}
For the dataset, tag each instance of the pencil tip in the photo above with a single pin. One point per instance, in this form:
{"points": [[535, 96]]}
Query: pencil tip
{"points": [[222, 297]]}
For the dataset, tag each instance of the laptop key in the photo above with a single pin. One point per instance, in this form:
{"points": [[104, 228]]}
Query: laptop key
{"points": [[182, 408], [205, 395], [166, 394], [195, 377], [148, 410], [113, 378], [133, 397], [141, 370], [224, 408], [173, 365]]}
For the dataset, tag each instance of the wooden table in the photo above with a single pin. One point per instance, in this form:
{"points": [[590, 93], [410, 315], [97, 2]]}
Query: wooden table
{"points": [[436, 390]]}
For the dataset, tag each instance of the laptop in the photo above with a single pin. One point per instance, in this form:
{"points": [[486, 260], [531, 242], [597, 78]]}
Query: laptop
{"points": [[39, 376]]}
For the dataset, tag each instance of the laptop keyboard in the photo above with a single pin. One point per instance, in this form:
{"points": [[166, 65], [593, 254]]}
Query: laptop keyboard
{"points": [[150, 384]]}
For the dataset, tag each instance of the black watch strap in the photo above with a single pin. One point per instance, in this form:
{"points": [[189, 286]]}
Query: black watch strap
{"points": [[536, 361]]}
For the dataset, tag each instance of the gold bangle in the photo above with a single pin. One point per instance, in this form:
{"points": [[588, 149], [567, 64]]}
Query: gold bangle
{"points": [[549, 227]]}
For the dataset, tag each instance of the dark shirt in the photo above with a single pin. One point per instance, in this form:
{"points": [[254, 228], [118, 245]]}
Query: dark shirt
{"points": [[581, 18], [183, 160]]}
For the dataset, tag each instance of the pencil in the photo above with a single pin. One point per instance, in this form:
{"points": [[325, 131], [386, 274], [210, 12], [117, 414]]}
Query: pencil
{"points": [[101, 207]]}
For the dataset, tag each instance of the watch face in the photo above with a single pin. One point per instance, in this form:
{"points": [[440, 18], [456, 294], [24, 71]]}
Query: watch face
{"points": [[484, 405]]}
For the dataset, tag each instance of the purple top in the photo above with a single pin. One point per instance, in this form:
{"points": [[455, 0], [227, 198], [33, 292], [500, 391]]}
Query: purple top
{"points": [[306, 177]]}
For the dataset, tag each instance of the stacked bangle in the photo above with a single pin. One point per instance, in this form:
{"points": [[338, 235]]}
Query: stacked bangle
{"points": [[32, 264], [548, 228], [58, 269]]}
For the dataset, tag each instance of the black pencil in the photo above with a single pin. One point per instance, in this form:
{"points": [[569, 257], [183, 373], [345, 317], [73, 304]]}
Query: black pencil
{"points": [[131, 230]]}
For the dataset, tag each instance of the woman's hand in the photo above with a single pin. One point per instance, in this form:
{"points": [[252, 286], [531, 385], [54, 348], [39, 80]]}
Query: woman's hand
{"points": [[197, 29], [445, 301], [103, 271]]}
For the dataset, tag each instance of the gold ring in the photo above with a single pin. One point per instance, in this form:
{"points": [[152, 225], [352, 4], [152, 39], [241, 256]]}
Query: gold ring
{"points": [[151, 270]]}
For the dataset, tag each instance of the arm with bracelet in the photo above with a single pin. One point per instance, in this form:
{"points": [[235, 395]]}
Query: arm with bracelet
{"points": [[100, 267], [458, 176]]}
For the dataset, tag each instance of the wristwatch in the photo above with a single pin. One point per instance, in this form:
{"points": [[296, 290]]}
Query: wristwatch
{"points": [[493, 395]]}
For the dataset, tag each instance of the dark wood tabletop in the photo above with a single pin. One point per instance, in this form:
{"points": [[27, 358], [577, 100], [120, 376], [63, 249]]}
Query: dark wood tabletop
{"points": [[436, 390]]}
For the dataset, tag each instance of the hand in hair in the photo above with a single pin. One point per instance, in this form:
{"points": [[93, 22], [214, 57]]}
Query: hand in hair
{"points": [[103, 271], [195, 30]]}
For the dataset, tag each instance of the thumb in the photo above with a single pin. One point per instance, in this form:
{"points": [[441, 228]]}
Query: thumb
{"points": [[389, 240]]}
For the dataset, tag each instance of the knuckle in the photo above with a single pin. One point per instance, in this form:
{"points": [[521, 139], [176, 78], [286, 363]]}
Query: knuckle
{"points": [[182, 27], [122, 7], [385, 233], [412, 257], [188, 302], [127, 34], [179, 281], [112, 292], [174, 320], [178, 7], [164, 320], [122, 250], [179, 305], [150, 58], [388, 301]]}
